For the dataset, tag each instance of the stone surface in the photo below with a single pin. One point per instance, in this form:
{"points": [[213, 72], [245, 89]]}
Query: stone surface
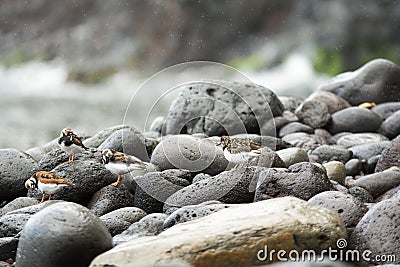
{"points": [[333, 102], [350, 140], [97, 139], [377, 81], [353, 167], [63, 234], [371, 164], [290, 103], [355, 120], [8, 248], [271, 142], [362, 194], [378, 231], [336, 171], [326, 153], [301, 140], [313, 113], [18, 203], [194, 212], [189, 153], [221, 107], [295, 127], [292, 155], [150, 225], [38, 152], [232, 237], [390, 156], [110, 198], [234, 186], [119, 220], [369, 150], [12, 224], [302, 180], [391, 126], [158, 125], [385, 110], [200, 176], [267, 158], [15, 168], [378, 183]]}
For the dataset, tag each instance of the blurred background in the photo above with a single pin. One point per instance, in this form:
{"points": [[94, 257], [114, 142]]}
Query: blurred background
{"points": [[77, 63]]}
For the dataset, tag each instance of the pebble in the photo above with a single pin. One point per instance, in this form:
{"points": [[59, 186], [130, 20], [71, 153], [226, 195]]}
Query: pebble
{"points": [[295, 127], [18, 203], [351, 140], [67, 231], [334, 138], [292, 155], [332, 101], [200, 176], [391, 126], [385, 110], [313, 113], [362, 194], [301, 140], [119, 220], [158, 125], [96, 140], [390, 156], [355, 120], [378, 183], [290, 103], [371, 164], [336, 171], [273, 126], [325, 153], [369, 150], [353, 167]]}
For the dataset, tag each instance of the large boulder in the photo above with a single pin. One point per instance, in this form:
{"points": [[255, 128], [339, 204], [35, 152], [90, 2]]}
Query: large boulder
{"points": [[234, 237]]}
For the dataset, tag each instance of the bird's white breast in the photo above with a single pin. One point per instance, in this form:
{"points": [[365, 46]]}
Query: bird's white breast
{"points": [[71, 149], [50, 188], [239, 157]]}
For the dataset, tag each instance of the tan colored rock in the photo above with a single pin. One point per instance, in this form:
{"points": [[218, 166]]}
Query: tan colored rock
{"points": [[234, 236], [336, 171]]}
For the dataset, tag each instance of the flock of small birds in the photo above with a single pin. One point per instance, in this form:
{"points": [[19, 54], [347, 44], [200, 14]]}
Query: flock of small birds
{"points": [[236, 150]]}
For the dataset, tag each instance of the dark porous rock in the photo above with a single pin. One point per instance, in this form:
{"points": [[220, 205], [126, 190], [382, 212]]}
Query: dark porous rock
{"points": [[295, 127], [353, 167], [16, 166], [18, 203], [332, 101], [313, 113], [97, 139], [110, 198], [301, 140], [362, 194], [201, 176], [64, 234], [8, 248], [221, 107], [326, 153], [390, 156], [369, 150], [192, 212], [290, 103], [12, 224], [119, 220], [370, 166], [391, 126], [349, 208], [350, 140], [128, 140], [189, 153], [265, 141], [89, 176], [158, 125], [301, 180], [150, 225], [385, 110], [154, 188], [234, 186], [378, 231], [355, 120], [38, 152], [379, 182], [377, 81]]}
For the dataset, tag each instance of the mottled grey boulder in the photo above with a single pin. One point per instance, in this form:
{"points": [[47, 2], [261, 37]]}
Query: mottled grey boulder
{"points": [[390, 156], [391, 126], [369, 150], [377, 81], [97, 139], [119, 220], [18, 203], [301, 140], [378, 231], [333, 102], [326, 153], [349, 208], [189, 153], [15, 167], [351, 140], [295, 127], [302, 180], [378, 183], [12, 224], [221, 107], [313, 113], [355, 120], [385, 110], [362, 194], [63, 234]]}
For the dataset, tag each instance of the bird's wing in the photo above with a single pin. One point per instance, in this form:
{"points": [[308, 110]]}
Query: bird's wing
{"points": [[77, 141], [51, 178], [128, 159], [254, 146]]}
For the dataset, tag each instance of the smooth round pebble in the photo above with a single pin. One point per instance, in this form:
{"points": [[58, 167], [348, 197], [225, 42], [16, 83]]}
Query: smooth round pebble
{"points": [[336, 171], [292, 155], [351, 140], [369, 150], [18, 203], [385, 110], [295, 127], [353, 167], [391, 126]]}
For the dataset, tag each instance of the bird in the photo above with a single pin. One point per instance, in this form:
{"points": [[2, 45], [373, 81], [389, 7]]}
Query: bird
{"points": [[239, 150], [47, 182], [120, 163], [70, 143]]}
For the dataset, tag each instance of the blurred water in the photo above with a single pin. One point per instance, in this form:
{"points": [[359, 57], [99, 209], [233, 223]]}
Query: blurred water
{"points": [[37, 101]]}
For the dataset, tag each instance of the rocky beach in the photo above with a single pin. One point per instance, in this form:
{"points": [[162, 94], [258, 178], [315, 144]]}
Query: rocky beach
{"points": [[326, 178]]}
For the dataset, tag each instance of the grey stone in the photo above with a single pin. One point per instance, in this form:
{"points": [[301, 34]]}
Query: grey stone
{"points": [[371, 164], [158, 124], [295, 127], [301, 140], [302, 180], [350, 140], [377, 81], [292, 155], [189, 153], [200, 176], [96, 140], [390, 156], [110, 198], [193, 212], [369, 149], [332, 101], [326, 153], [38, 152], [290, 116], [313, 113], [119, 220], [362, 194], [16, 166], [115, 226], [378, 183], [267, 158], [349, 208], [64, 234], [322, 136], [18, 203], [273, 126], [290, 103], [353, 167], [355, 120], [12, 224], [391, 126], [336, 137], [336, 171], [385, 110], [378, 231], [149, 225], [221, 107], [392, 193], [8, 248]]}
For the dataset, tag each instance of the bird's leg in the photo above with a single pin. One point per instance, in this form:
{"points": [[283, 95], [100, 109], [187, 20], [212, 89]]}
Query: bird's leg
{"points": [[49, 198], [236, 165], [71, 158], [117, 182], [41, 201]]}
